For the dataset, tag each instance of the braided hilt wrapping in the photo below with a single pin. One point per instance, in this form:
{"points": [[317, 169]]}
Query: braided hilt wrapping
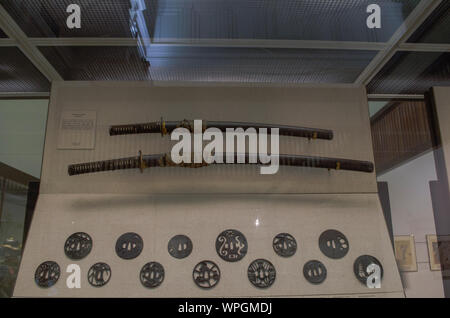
{"points": [[107, 165], [135, 129]]}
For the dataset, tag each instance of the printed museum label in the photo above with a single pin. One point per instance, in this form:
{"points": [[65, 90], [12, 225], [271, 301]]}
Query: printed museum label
{"points": [[77, 130]]}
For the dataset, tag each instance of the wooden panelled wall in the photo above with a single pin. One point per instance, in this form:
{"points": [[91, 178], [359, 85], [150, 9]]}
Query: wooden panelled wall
{"points": [[400, 132]]}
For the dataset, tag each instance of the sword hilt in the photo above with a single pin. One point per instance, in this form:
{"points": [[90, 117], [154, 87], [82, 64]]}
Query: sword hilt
{"points": [[107, 165], [133, 129]]}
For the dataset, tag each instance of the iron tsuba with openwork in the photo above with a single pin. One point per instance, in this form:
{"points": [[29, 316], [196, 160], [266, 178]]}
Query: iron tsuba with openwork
{"points": [[47, 274], [152, 275], [129, 245], [231, 245], [261, 273], [333, 244], [78, 245], [99, 274], [284, 245], [180, 246], [206, 274], [315, 272], [360, 267]]}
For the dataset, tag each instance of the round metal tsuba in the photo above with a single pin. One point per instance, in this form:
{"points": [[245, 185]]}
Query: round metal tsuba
{"points": [[180, 246], [261, 273], [129, 246], [206, 274], [231, 245], [99, 274], [315, 272], [333, 244], [78, 246], [284, 245], [152, 275], [47, 274], [361, 268]]}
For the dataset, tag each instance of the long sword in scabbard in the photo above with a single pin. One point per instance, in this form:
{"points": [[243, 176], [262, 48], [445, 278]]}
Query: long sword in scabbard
{"points": [[166, 127], [164, 160]]}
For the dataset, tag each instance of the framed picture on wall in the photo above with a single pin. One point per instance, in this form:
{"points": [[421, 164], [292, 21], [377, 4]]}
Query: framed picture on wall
{"points": [[443, 246], [405, 253], [433, 252], [444, 253]]}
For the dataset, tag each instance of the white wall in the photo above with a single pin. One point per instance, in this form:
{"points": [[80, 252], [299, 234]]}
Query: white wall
{"points": [[22, 132], [412, 213]]}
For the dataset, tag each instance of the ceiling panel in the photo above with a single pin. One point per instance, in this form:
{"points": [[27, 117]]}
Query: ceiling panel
{"points": [[412, 73], [99, 18], [241, 65], [214, 19], [436, 29], [98, 63], [327, 20], [17, 74]]}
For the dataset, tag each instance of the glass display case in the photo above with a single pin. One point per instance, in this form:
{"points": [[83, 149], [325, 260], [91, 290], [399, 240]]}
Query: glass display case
{"points": [[169, 148]]}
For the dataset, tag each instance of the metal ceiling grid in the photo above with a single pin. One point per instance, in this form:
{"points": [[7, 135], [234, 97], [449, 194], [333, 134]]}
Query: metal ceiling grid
{"points": [[274, 54]]}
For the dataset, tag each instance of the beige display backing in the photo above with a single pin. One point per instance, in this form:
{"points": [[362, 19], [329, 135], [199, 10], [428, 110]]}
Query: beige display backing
{"points": [[344, 111], [203, 218], [201, 203]]}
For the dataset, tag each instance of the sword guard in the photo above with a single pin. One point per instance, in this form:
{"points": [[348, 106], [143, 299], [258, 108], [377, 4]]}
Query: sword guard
{"points": [[163, 127], [142, 164], [166, 161], [188, 124]]}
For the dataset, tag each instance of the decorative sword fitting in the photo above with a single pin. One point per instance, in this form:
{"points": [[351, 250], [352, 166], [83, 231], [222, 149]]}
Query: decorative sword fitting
{"points": [[166, 161], [142, 164], [163, 127], [188, 124]]}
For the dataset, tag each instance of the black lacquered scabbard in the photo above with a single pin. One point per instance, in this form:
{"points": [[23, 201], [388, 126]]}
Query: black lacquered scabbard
{"points": [[166, 127], [163, 160]]}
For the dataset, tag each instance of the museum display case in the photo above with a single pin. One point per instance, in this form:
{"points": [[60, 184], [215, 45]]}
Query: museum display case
{"points": [[215, 149], [295, 232]]}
